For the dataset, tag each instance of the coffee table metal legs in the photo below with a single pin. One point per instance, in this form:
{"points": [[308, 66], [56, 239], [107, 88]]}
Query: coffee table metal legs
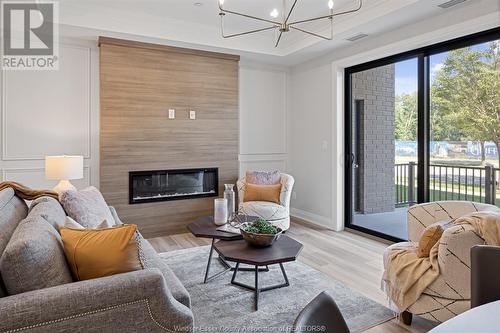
{"points": [[256, 289], [227, 266], [207, 271]]}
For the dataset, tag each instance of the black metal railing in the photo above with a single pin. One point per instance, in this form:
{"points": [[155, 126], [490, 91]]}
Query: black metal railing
{"points": [[448, 182]]}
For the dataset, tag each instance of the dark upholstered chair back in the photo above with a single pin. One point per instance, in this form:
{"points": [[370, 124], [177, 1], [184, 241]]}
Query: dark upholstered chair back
{"points": [[321, 311], [485, 274]]}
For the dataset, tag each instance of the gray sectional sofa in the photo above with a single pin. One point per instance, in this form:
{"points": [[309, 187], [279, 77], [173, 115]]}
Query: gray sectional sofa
{"points": [[37, 293]]}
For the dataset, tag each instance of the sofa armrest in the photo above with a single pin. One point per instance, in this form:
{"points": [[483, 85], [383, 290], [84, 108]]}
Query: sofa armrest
{"points": [[454, 257], [129, 302]]}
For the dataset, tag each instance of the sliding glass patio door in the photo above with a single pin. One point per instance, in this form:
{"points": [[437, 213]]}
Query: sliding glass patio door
{"points": [[384, 145], [422, 126]]}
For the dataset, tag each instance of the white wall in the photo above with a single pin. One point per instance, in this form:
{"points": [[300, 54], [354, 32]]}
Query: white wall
{"points": [[263, 118], [51, 113], [310, 143]]}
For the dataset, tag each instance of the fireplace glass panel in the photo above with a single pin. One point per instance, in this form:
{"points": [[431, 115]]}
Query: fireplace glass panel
{"points": [[149, 186]]}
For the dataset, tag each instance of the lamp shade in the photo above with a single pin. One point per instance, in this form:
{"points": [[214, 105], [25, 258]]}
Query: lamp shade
{"points": [[63, 167]]}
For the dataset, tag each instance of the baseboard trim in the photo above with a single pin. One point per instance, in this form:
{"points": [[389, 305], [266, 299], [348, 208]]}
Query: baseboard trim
{"points": [[311, 218]]}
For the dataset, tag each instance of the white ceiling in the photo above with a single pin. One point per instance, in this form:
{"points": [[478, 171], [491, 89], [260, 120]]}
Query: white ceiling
{"points": [[180, 21]]}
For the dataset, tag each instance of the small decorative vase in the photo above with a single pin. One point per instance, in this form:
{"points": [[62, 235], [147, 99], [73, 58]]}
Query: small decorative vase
{"points": [[220, 211], [229, 196]]}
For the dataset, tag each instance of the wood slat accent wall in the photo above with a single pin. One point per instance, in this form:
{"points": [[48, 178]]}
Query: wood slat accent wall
{"points": [[138, 84]]}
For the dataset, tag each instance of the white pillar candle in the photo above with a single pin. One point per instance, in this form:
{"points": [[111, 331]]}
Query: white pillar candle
{"points": [[220, 211]]}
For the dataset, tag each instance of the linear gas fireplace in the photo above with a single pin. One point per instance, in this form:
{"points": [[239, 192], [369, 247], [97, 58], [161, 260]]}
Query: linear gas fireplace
{"points": [[162, 185]]}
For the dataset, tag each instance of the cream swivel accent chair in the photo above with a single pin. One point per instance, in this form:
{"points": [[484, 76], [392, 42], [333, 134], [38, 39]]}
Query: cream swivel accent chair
{"points": [[450, 294], [277, 214]]}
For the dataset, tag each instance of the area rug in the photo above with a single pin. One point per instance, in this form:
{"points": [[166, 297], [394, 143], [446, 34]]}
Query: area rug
{"points": [[219, 306]]}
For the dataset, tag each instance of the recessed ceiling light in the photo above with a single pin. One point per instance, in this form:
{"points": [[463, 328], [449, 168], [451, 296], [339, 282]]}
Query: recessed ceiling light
{"points": [[274, 13], [197, 4]]}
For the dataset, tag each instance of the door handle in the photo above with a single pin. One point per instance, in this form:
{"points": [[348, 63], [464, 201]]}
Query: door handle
{"points": [[353, 161]]}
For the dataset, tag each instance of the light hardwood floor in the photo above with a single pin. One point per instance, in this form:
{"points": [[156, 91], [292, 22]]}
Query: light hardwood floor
{"points": [[352, 259]]}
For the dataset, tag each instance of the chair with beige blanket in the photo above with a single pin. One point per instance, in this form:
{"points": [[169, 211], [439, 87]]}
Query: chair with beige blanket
{"points": [[449, 294]]}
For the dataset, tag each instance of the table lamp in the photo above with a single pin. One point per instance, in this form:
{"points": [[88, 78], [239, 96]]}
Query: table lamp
{"points": [[63, 168]]}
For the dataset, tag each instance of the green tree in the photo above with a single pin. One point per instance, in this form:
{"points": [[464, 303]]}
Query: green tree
{"points": [[406, 117], [406, 120], [442, 122], [466, 91]]}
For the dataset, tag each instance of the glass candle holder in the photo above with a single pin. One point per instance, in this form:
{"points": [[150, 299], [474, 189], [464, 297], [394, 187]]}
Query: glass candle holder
{"points": [[220, 211], [229, 196]]}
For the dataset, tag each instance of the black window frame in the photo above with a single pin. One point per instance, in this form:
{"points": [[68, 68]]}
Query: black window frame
{"points": [[422, 55]]}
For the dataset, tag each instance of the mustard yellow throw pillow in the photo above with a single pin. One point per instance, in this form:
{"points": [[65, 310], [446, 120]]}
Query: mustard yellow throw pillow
{"points": [[430, 236], [269, 193], [93, 253]]}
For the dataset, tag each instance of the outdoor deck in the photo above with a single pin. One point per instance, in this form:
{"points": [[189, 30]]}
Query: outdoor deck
{"points": [[390, 223]]}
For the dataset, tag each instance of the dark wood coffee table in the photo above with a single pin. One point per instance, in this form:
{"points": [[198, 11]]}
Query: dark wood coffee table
{"points": [[205, 227], [285, 249]]}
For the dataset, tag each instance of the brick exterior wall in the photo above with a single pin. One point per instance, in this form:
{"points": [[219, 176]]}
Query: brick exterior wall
{"points": [[375, 87]]}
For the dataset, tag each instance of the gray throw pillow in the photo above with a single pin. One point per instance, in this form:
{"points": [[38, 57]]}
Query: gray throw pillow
{"points": [[34, 258], [86, 207], [50, 209], [263, 177]]}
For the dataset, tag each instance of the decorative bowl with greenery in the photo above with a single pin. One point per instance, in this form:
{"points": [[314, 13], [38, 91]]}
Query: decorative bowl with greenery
{"points": [[260, 233]]}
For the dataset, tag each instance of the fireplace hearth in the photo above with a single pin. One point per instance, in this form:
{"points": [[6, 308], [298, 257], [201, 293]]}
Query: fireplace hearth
{"points": [[164, 185]]}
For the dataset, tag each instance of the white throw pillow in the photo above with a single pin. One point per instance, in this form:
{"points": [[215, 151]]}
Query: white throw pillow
{"points": [[72, 224], [87, 207]]}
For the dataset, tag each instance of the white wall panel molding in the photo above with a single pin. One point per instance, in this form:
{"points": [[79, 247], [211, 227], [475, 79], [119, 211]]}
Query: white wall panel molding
{"points": [[262, 157], [263, 111], [264, 162], [35, 177], [66, 121], [15, 89]]}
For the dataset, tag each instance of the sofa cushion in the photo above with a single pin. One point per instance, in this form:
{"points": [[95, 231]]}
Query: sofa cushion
{"points": [[86, 207], [50, 209], [151, 259], [34, 258], [267, 210], [12, 211]]}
